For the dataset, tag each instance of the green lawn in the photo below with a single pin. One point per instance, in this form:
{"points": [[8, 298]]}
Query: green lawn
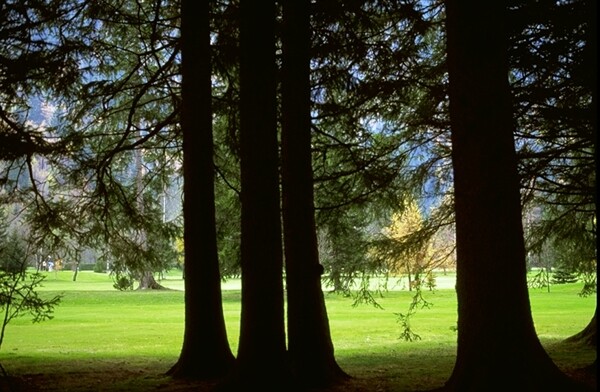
{"points": [[96, 327]]}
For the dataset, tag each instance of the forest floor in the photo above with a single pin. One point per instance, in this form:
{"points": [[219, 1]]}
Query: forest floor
{"points": [[139, 379]]}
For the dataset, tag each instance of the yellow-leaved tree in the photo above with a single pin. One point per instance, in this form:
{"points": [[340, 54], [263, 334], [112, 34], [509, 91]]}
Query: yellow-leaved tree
{"points": [[406, 253], [411, 247]]}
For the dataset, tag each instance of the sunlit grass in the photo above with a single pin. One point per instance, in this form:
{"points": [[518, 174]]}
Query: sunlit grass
{"points": [[96, 324]]}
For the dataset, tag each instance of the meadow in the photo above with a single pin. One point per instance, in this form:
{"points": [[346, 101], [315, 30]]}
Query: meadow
{"points": [[104, 339]]}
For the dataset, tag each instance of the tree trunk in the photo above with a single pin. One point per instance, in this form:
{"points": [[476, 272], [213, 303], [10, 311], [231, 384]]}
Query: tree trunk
{"points": [[261, 362], [205, 353], [497, 344], [76, 270], [147, 282], [310, 347], [588, 335]]}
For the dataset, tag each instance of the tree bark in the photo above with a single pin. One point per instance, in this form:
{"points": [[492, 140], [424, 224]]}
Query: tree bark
{"points": [[205, 353], [261, 362], [310, 347], [497, 344], [147, 282], [588, 335]]}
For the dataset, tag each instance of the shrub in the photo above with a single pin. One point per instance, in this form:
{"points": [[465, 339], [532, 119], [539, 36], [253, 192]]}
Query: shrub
{"points": [[12, 254], [123, 283], [100, 266], [86, 267], [562, 276]]}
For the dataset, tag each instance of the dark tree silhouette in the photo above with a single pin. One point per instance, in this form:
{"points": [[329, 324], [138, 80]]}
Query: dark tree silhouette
{"points": [[497, 344], [205, 352], [310, 347], [261, 362], [589, 334]]}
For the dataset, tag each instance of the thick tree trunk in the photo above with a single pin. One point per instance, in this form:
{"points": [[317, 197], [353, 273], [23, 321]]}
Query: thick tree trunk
{"points": [[261, 362], [310, 347], [588, 335], [497, 344], [205, 353], [147, 282]]}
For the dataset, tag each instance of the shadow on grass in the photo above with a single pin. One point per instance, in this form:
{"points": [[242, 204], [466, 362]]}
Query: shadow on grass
{"points": [[423, 369]]}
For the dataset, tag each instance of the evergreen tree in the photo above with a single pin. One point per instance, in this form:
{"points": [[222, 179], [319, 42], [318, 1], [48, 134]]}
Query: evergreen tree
{"points": [[261, 360], [205, 352], [310, 347], [562, 275], [488, 219]]}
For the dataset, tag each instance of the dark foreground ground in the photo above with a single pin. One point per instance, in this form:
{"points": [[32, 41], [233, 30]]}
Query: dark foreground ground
{"points": [[143, 379]]}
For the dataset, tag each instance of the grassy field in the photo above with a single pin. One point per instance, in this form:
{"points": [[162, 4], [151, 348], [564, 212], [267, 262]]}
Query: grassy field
{"points": [[104, 339]]}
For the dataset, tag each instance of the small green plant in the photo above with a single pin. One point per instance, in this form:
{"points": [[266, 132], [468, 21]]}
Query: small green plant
{"points": [[123, 282], [418, 302], [18, 297]]}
